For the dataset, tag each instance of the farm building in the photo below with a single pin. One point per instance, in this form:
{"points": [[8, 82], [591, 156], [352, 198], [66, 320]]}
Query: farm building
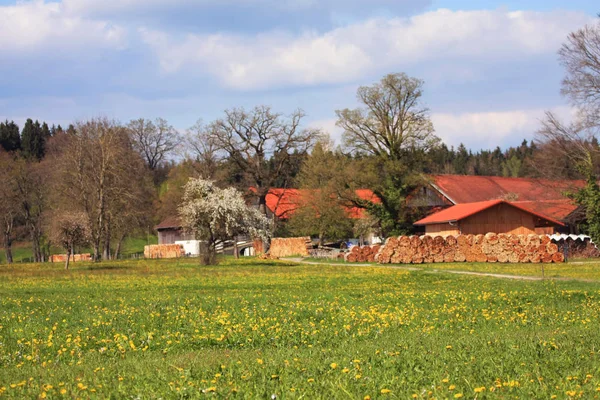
{"points": [[547, 198], [281, 204], [497, 216], [170, 231]]}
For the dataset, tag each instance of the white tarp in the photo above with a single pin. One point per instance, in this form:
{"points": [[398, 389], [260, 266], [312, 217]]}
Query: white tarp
{"points": [[558, 237], [190, 247]]}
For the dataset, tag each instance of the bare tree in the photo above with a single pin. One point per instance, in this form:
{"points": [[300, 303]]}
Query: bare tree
{"points": [[154, 141], [70, 229], [30, 185], [261, 143], [392, 123], [203, 149], [9, 203], [569, 149], [580, 56], [101, 175]]}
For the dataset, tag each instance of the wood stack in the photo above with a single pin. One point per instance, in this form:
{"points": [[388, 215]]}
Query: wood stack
{"points": [[61, 258], [362, 253], [469, 248], [258, 247], [286, 247], [164, 251]]}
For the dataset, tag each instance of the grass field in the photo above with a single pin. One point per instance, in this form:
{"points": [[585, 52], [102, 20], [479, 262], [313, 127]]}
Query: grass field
{"points": [[254, 329], [22, 250], [578, 269]]}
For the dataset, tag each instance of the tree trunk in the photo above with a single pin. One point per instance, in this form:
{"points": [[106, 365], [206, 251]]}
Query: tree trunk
{"points": [[97, 249], [208, 253], [106, 251], [118, 249], [262, 207], [236, 250], [320, 239], [8, 227], [69, 252], [35, 243], [8, 248]]}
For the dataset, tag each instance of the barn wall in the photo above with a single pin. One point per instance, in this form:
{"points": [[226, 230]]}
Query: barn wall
{"points": [[500, 219], [441, 230], [170, 236]]}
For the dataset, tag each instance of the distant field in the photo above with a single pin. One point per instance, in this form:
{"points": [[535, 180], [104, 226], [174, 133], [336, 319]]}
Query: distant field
{"points": [[22, 251], [254, 329]]}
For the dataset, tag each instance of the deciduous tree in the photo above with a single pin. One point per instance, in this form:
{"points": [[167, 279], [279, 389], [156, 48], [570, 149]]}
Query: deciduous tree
{"points": [[70, 229], [101, 175], [217, 215], [394, 129], [261, 143], [155, 141]]}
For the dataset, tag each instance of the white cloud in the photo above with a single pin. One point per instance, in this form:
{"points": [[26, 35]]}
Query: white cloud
{"points": [[328, 126], [276, 59], [36, 25], [490, 129]]}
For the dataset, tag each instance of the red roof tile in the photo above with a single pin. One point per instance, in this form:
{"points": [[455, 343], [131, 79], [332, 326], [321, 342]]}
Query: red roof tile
{"points": [[558, 209], [283, 202], [461, 211], [470, 189]]}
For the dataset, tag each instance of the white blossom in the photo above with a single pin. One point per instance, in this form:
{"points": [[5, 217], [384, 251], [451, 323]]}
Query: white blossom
{"points": [[214, 214]]}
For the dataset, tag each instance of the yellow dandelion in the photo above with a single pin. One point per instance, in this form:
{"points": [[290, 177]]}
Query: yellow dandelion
{"points": [[333, 365], [458, 395], [386, 391]]}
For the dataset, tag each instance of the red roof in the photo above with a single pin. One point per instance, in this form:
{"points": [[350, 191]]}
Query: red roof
{"points": [[559, 209], [283, 202], [470, 189], [461, 211], [539, 195]]}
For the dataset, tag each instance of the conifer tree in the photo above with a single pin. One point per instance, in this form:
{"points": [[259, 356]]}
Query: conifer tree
{"points": [[32, 140], [10, 140]]}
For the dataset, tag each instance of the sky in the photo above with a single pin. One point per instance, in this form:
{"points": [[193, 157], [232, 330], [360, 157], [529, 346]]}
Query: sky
{"points": [[490, 67]]}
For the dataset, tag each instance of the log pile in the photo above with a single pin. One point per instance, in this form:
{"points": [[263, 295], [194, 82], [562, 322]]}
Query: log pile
{"points": [[259, 248], [61, 258], [164, 251], [286, 247], [362, 253], [502, 248]]}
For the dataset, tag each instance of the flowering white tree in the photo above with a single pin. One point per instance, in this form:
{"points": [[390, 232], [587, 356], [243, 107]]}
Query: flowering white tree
{"points": [[216, 215]]}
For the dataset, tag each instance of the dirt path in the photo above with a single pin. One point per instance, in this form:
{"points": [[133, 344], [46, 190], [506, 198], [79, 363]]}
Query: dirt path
{"points": [[437, 271]]}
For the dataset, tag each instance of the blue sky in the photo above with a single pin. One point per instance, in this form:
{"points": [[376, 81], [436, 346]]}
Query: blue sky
{"points": [[490, 67]]}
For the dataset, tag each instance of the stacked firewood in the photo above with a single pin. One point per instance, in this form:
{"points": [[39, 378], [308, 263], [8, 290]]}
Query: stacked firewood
{"points": [[164, 251], [362, 253], [286, 247], [55, 258], [469, 248]]}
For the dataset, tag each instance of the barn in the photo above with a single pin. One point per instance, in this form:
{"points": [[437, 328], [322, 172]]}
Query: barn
{"points": [[545, 197], [497, 216], [170, 231]]}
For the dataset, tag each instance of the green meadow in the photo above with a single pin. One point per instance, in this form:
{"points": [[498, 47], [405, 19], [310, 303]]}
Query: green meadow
{"points": [[171, 329]]}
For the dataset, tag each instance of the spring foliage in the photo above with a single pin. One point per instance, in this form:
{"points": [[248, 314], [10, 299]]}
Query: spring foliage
{"points": [[217, 215]]}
